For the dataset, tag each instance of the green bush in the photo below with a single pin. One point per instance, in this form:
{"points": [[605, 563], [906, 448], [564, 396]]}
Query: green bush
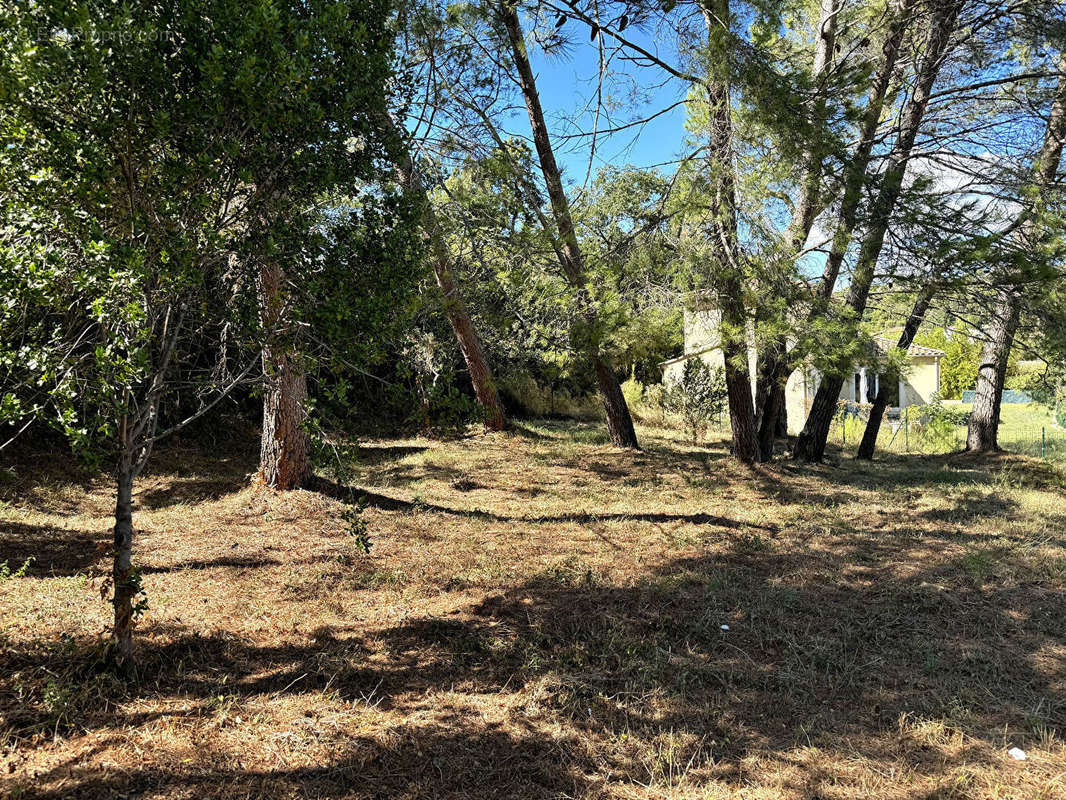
{"points": [[633, 392], [938, 425], [698, 397]]}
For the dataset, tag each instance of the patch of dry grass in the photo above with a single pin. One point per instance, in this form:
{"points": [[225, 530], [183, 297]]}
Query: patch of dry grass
{"points": [[542, 616]]}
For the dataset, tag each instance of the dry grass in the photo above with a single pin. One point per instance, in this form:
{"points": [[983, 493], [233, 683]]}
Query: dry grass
{"points": [[541, 616]]}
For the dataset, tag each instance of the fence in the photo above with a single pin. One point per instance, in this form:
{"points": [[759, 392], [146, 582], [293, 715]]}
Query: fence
{"points": [[1028, 430]]}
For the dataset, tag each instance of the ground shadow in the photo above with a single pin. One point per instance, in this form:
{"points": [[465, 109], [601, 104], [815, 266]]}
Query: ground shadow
{"points": [[384, 502], [53, 550], [747, 652]]}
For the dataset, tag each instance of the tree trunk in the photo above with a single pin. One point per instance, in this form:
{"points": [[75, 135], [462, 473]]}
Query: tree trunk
{"points": [[782, 412], [775, 365], [285, 446], [125, 588], [855, 173], [983, 432], [877, 412], [773, 421], [619, 421], [810, 446], [982, 435], [809, 200], [454, 308], [725, 271]]}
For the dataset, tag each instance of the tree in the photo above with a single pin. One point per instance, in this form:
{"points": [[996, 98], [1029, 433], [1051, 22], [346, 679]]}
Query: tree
{"points": [[725, 268], [810, 445], [1027, 233], [775, 364], [906, 337], [143, 147], [454, 307], [571, 258], [699, 397]]}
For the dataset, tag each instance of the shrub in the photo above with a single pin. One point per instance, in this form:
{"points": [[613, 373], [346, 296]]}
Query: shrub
{"points": [[633, 391], [698, 397]]}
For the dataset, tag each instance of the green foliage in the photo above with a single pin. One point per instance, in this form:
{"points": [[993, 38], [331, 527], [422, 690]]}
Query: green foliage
{"points": [[938, 425], [141, 187], [357, 527], [633, 392], [698, 397], [961, 361], [7, 573]]}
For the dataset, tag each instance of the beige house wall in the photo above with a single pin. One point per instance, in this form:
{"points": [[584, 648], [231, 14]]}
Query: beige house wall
{"points": [[921, 382], [702, 341]]}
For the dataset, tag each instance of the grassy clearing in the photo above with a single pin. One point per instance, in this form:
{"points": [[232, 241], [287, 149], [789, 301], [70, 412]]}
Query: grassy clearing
{"points": [[542, 616], [1025, 429]]}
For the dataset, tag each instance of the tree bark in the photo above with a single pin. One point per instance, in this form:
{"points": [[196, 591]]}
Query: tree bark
{"points": [[285, 445], [810, 445], [775, 365], [123, 584], [983, 432], [454, 307], [855, 173], [809, 200], [619, 420], [725, 273], [910, 329]]}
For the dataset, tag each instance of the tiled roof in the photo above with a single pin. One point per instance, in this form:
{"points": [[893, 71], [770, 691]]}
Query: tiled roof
{"points": [[884, 345]]}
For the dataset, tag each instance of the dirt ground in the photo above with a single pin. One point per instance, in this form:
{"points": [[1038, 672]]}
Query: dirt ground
{"points": [[542, 616]]}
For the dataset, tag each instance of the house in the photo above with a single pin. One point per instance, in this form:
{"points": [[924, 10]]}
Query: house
{"points": [[917, 386]]}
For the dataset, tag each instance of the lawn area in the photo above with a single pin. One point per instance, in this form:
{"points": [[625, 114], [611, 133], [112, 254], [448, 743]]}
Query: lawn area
{"points": [[1021, 426], [543, 616]]}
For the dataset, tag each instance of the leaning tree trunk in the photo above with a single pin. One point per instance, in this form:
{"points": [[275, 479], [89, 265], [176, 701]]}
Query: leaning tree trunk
{"points": [[775, 365], [285, 446], [982, 434], [910, 329], [122, 578], [572, 260], [810, 445], [454, 307]]}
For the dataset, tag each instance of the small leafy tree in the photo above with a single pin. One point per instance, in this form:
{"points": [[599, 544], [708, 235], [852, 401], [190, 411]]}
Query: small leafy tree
{"points": [[698, 397], [143, 149]]}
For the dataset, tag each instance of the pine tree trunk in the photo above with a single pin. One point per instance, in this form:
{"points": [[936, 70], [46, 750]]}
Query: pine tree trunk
{"points": [[782, 411], [725, 272], [121, 572], [772, 420], [770, 414], [982, 434], [285, 445], [619, 421], [877, 412], [855, 172], [810, 445], [470, 345], [454, 308], [778, 366]]}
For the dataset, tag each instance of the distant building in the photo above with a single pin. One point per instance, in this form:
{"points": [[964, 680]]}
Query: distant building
{"points": [[916, 387]]}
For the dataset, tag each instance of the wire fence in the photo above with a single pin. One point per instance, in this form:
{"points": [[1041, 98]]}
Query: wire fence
{"points": [[928, 430]]}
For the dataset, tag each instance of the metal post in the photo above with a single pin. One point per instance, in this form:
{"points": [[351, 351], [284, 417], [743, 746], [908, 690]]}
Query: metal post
{"points": [[906, 429], [1043, 442]]}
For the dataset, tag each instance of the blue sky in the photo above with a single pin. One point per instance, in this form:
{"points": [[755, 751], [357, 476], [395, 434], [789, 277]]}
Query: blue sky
{"points": [[567, 83]]}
